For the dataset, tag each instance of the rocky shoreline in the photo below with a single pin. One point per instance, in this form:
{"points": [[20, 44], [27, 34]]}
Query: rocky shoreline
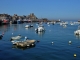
{"points": [[6, 18]]}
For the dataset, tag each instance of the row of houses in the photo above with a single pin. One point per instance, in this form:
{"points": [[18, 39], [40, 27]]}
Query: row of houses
{"points": [[16, 17], [6, 19]]}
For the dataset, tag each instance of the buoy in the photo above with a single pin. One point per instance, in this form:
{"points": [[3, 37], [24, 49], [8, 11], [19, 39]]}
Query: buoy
{"points": [[74, 55], [25, 38], [32, 44], [52, 42], [28, 45], [70, 42]]}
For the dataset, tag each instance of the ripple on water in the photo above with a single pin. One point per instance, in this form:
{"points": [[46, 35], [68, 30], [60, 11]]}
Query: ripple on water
{"points": [[44, 50]]}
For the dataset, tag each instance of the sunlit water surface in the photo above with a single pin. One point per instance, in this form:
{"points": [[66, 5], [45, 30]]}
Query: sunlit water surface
{"points": [[44, 50]]}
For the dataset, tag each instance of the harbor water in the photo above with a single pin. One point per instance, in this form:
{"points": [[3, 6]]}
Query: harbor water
{"points": [[53, 45]]}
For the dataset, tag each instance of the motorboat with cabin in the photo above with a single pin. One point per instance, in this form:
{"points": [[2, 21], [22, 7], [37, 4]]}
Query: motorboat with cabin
{"points": [[77, 32], [40, 28]]}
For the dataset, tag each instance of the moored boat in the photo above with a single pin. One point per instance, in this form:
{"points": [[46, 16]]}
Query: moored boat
{"points": [[27, 26], [16, 37], [24, 43], [40, 28], [5, 21], [77, 32]]}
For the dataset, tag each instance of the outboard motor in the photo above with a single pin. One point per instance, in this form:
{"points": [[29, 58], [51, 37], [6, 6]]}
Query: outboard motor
{"points": [[25, 38], [36, 30]]}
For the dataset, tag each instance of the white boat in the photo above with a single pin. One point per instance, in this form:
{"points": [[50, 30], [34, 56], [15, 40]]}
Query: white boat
{"points": [[53, 22], [77, 32], [16, 41], [48, 22], [40, 28], [31, 25], [63, 23], [27, 26], [16, 37], [71, 23]]}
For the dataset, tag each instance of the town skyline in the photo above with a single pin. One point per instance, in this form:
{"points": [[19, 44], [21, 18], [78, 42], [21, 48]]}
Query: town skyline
{"points": [[51, 9]]}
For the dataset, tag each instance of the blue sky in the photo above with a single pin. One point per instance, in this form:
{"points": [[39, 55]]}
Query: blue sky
{"points": [[51, 9]]}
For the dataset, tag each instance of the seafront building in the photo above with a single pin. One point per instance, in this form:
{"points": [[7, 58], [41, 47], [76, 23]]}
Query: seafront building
{"points": [[6, 18]]}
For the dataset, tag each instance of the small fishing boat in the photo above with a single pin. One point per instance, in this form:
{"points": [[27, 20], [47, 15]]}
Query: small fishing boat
{"points": [[71, 23], [64, 23], [48, 22], [24, 43], [28, 26], [40, 28], [16, 37], [77, 32], [18, 21], [31, 25], [5, 21], [19, 40]]}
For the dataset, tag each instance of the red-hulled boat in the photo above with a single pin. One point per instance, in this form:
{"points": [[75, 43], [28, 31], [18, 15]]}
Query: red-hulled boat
{"points": [[5, 21]]}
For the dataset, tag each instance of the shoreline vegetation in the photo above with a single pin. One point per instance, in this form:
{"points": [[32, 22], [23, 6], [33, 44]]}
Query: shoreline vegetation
{"points": [[6, 18]]}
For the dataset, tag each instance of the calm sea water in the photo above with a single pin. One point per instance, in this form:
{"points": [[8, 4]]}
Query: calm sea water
{"points": [[44, 50]]}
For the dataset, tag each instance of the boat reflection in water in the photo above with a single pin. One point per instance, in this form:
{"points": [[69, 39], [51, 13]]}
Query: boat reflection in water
{"points": [[77, 36], [22, 48], [26, 28], [0, 38], [40, 33]]}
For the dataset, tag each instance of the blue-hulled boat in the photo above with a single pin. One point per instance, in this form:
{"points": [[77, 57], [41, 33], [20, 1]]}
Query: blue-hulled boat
{"points": [[18, 21]]}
